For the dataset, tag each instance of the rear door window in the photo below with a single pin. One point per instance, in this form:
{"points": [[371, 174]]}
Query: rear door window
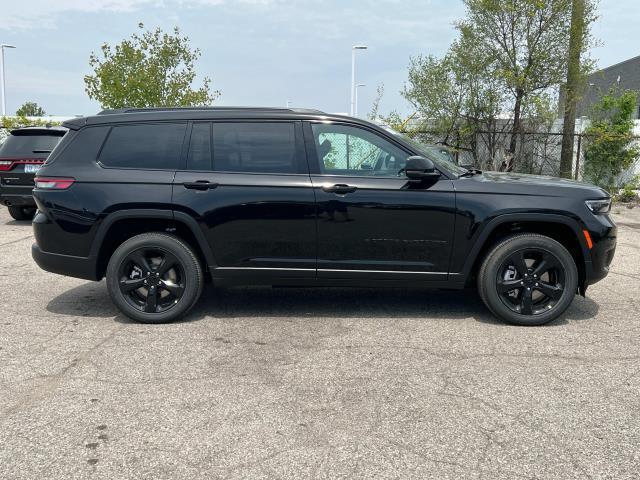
{"points": [[199, 157], [144, 146], [255, 147]]}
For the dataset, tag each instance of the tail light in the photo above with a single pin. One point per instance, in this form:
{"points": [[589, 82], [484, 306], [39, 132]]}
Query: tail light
{"points": [[54, 183], [6, 165]]}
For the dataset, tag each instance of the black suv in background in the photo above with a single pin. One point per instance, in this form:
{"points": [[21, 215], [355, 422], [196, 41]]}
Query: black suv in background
{"points": [[21, 156], [157, 200]]}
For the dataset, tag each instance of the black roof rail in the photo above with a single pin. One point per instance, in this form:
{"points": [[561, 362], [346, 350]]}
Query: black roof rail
{"points": [[114, 111]]}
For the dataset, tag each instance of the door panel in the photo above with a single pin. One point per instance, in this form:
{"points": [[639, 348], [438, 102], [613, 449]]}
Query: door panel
{"points": [[253, 221], [256, 224], [372, 222], [384, 228]]}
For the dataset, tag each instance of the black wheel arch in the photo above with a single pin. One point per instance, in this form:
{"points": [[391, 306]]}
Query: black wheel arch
{"points": [[562, 228], [122, 225]]}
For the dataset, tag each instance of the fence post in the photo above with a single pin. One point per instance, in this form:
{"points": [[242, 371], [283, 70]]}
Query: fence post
{"points": [[578, 156]]}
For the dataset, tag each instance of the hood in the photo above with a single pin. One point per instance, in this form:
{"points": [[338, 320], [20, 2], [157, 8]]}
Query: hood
{"points": [[541, 184]]}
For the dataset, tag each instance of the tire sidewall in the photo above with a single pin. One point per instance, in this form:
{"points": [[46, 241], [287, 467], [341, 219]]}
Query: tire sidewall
{"points": [[19, 213], [489, 273], [189, 263]]}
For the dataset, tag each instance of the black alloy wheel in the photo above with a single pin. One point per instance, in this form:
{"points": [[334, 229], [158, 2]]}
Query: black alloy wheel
{"points": [[528, 279], [154, 278], [151, 280]]}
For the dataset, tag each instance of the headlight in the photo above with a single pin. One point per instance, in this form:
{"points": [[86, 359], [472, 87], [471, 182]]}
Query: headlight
{"points": [[599, 206]]}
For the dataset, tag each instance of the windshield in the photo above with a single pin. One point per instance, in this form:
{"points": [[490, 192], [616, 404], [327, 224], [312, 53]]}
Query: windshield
{"points": [[440, 156]]}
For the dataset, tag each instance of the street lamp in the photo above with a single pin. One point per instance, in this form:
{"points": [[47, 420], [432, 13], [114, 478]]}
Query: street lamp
{"points": [[356, 107], [2, 86], [353, 75]]}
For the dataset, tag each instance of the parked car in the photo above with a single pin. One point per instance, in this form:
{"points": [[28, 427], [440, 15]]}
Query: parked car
{"points": [[21, 156], [157, 200]]}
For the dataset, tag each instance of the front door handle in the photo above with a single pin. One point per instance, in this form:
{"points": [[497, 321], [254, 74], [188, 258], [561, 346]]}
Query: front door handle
{"points": [[339, 188], [200, 185]]}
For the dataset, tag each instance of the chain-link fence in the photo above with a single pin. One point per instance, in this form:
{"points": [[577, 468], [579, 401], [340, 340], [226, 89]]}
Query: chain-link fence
{"points": [[535, 153]]}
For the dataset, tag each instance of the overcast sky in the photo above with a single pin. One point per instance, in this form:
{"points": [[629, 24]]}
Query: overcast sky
{"points": [[258, 52]]}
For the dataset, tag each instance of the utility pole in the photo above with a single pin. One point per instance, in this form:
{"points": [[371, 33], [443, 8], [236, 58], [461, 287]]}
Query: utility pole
{"points": [[572, 87], [353, 75], [2, 85], [355, 112]]}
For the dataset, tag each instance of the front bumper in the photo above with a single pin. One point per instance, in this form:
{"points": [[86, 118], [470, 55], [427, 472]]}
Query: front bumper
{"points": [[602, 253]]}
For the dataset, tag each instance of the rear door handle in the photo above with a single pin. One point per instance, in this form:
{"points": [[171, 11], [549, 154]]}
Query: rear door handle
{"points": [[200, 185], [339, 188]]}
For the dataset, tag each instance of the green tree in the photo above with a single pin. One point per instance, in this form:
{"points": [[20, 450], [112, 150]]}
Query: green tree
{"points": [[611, 147], [458, 97], [525, 44], [30, 109], [151, 69]]}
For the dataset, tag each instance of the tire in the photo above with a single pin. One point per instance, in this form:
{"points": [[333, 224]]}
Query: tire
{"points": [[528, 279], [22, 213], [154, 278]]}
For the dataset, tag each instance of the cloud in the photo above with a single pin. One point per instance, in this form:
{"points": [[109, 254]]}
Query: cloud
{"points": [[44, 13]]}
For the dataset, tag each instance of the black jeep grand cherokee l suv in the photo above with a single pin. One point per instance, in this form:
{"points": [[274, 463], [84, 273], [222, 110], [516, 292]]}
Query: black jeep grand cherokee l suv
{"points": [[157, 199]]}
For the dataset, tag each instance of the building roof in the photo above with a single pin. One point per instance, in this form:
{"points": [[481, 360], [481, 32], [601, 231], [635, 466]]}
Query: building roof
{"points": [[624, 75]]}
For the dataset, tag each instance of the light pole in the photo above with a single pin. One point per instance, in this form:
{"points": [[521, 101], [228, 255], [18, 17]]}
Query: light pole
{"points": [[353, 75], [355, 113], [2, 86]]}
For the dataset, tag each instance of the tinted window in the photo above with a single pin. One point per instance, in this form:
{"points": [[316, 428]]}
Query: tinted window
{"points": [[200, 147], [79, 146], [344, 150], [155, 146], [254, 147], [24, 145]]}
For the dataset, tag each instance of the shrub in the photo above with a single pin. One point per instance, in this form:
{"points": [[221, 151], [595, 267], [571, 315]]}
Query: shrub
{"points": [[611, 147]]}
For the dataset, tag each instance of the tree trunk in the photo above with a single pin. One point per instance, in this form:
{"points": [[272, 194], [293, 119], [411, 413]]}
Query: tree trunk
{"points": [[572, 87], [515, 129]]}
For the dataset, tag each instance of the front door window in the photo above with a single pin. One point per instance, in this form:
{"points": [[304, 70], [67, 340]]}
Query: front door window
{"points": [[345, 150]]}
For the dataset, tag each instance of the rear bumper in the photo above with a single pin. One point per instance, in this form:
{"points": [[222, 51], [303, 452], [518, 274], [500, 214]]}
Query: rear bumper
{"points": [[79, 267], [18, 197]]}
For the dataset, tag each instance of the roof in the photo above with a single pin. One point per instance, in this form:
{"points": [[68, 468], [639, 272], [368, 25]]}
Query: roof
{"points": [[206, 109], [635, 59], [125, 115], [623, 75]]}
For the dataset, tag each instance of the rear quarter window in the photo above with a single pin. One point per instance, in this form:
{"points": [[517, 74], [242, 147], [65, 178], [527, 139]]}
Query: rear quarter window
{"points": [[79, 146], [144, 146]]}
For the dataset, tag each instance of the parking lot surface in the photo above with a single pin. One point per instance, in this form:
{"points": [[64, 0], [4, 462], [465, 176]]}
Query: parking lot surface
{"points": [[326, 383]]}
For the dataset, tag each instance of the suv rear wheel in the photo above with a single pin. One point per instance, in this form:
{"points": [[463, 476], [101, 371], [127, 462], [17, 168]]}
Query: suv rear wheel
{"points": [[22, 213], [154, 278], [528, 279]]}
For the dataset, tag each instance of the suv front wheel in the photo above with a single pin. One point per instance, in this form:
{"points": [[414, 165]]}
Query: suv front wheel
{"points": [[528, 279], [154, 278]]}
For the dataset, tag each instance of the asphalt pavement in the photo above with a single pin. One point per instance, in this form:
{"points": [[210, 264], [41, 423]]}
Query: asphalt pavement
{"points": [[325, 383]]}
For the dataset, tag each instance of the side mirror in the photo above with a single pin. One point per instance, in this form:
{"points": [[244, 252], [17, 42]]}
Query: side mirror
{"points": [[419, 169]]}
